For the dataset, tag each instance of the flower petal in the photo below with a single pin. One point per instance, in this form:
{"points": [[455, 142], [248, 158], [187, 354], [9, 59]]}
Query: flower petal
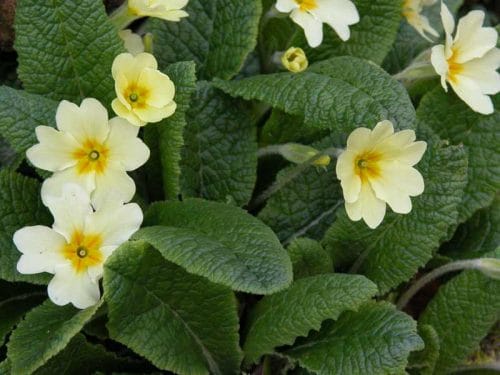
{"points": [[313, 27], [359, 139], [470, 92], [69, 210], [41, 247], [68, 286], [114, 184], [339, 14], [447, 18], [161, 88], [286, 6], [55, 150], [368, 207], [440, 64], [124, 145], [126, 113], [381, 131], [484, 71], [153, 114], [115, 222]]}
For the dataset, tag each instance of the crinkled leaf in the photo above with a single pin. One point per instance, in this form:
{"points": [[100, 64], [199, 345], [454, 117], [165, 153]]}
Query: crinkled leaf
{"points": [[280, 318], [165, 139], [424, 361], [219, 160], [376, 339], [392, 253], [218, 35], [180, 322], [20, 206], [66, 49], [220, 242], [308, 258], [371, 38], [44, 332], [20, 114], [462, 312], [477, 236], [453, 120], [337, 94]]}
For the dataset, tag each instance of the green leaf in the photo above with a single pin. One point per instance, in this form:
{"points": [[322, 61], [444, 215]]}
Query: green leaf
{"points": [[370, 39], [218, 35], [66, 49], [424, 361], [165, 139], [308, 258], [337, 94], [462, 313], [82, 357], [20, 114], [44, 332], [453, 120], [392, 253], [409, 43], [180, 322], [477, 236], [221, 242], [376, 339], [20, 206], [219, 160], [13, 309], [306, 205], [280, 318]]}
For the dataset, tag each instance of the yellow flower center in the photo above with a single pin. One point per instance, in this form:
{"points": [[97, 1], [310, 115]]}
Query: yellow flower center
{"points": [[454, 68], [92, 157], [306, 5], [136, 96], [84, 250], [366, 165]]}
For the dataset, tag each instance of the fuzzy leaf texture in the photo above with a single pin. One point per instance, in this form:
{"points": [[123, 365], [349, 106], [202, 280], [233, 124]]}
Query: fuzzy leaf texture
{"points": [[218, 35], [20, 114], [337, 94], [219, 160], [66, 49], [20, 205], [220, 242], [370, 39], [180, 322], [453, 120], [280, 318], [375, 340], [424, 361], [308, 258], [165, 139], [462, 313], [392, 253], [44, 332]]}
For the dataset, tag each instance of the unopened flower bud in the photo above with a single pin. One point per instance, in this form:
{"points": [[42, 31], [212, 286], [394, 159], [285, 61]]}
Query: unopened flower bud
{"points": [[490, 267], [295, 60], [298, 154]]}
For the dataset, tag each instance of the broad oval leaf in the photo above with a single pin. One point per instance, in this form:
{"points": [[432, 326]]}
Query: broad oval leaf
{"points": [[376, 340], [180, 322], [280, 318], [66, 49], [44, 332], [453, 120], [221, 242], [218, 35], [337, 94], [308, 258]]}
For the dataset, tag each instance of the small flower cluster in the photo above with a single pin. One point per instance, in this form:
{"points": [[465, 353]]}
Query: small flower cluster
{"points": [[89, 190]]}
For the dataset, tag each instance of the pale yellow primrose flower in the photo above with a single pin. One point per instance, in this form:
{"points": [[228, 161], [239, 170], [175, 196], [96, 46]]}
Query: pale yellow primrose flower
{"points": [[412, 10], [311, 14], [377, 168], [469, 62], [89, 150], [295, 60], [77, 245], [169, 10], [144, 94], [132, 42]]}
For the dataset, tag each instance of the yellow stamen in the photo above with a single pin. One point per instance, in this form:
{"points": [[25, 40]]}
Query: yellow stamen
{"points": [[454, 68], [367, 166], [92, 157], [307, 5], [136, 96], [84, 250]]}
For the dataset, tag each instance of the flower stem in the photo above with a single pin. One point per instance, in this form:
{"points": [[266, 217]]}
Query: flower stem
{"points": [[420, 68], [121, 17], [434, 274], [294, 173]]}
